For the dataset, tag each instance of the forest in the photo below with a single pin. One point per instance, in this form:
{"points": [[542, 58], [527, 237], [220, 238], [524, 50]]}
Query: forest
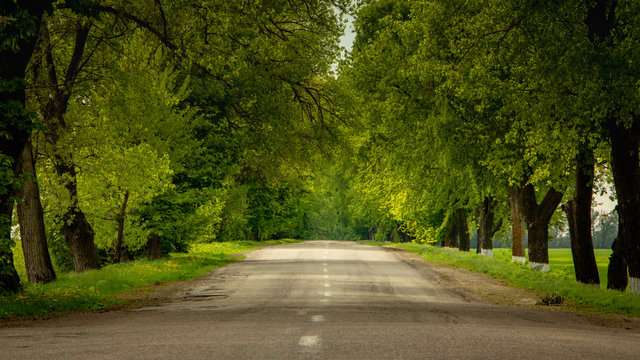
{"points": [[134, 129]]}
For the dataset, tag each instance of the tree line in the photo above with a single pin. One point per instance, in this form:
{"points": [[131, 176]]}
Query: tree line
{"points": [[498, 114], [136, 128]]}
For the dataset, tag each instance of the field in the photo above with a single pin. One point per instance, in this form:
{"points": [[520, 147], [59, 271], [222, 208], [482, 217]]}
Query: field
{"points": [[561, 262]]}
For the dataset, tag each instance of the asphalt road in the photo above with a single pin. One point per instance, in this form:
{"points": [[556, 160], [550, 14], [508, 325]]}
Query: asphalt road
{"points": [[321, 300]]}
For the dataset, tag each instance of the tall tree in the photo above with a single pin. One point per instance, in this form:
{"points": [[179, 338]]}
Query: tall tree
{"points": [[578, 211], [612, 31], [538, 217], [63, 66], [31, 219], [19, 24]]}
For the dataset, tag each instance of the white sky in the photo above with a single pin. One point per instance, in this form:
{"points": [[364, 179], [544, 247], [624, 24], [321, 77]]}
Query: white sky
{"points": [[346, 40]]}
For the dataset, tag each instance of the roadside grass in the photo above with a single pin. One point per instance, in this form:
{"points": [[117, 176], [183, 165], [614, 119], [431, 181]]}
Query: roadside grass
{"points": [[98, 289], [560, 280]]}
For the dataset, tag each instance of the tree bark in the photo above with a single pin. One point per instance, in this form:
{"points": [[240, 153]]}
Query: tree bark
{"points": [[31, 218], [153, 247], [117, 244], [617, 272], [578, 211], [75, 227], [480, 229], [15, 122], [626, 174], [538, 217], [601, 22], [462, 230], [486, 229], [450, 240], [517, 227]]}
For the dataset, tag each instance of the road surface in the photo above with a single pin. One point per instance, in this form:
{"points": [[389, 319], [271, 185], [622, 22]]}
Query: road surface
{"points": [[321, 300]]}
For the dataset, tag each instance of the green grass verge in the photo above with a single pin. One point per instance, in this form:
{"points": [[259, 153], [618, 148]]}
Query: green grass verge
{"points": [[560, 280], [97, 289]]}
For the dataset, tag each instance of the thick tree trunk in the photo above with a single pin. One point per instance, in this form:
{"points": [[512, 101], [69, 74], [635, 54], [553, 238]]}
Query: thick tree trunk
{"points": [[117, 244], [626, 174], [462, 230], [517, 227], [617, 273], [538, 217], [578, 211], [601, 22], [450, 240], [485, 228], [153, 247], [14, 119], [31, 217], [79, 236], [75, 227]]}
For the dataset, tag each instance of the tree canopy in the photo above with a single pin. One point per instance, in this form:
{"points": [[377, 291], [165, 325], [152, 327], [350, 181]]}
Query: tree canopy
{"points": [[149, 126]]}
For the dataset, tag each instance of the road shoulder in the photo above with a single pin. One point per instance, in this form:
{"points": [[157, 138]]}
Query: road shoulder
{"points": [[483, 288]]}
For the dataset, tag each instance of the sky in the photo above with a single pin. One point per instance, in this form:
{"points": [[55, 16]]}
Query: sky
{"points": [[346, 40]]}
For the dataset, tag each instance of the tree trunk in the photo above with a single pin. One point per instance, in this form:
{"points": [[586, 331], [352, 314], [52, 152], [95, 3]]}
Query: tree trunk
{"points": [[117, 244], [479, 233], [517, 227], [75, 227], [601, 22], [538, 217], [485, 228], [31, 217], [578, 211], [404, 237], [153, 247], [617, 275], [626, 174], [15, 122], [450, 240], [462, 230]]}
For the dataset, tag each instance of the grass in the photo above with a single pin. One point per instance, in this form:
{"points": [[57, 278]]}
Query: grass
{"points": [[561, 262], [560, 280], [98, 289]]}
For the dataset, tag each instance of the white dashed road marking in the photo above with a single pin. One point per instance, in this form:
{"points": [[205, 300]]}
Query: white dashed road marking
{"points": [[309, 341]]}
